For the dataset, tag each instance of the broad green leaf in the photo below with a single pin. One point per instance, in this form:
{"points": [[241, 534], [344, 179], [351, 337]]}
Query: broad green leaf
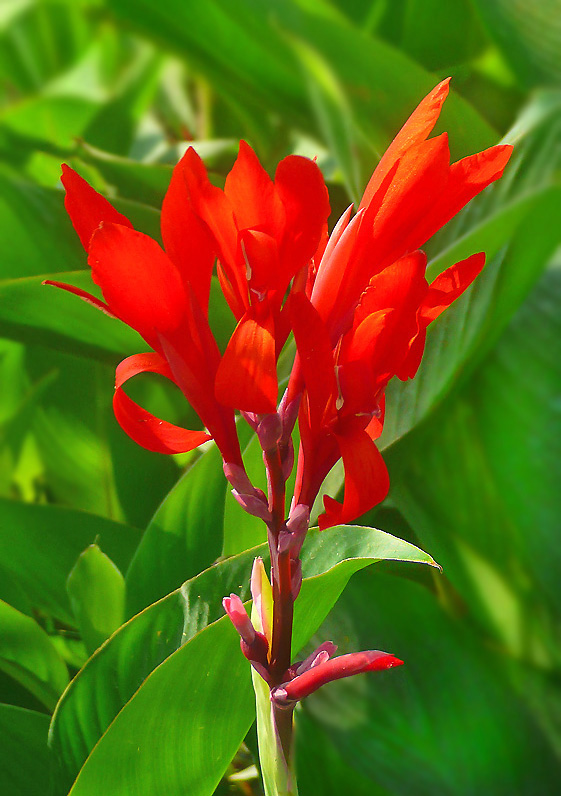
{"points": [[500, 439], [228, 46], [202, 667], [52, 246], [35, 313], [184, 536], [335, 118], [27, 655], [96, 590], [24, 755], [117, 670], [39, 546], [441, 35], [529, 36], [428, 727]]}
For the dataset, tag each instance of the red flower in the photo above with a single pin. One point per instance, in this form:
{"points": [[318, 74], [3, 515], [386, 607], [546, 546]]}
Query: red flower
{"points": [[364, 318], [164, 296], [265, 232]]}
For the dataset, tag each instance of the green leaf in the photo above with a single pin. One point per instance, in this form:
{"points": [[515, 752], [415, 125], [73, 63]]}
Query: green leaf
{"points": [[318, 761], [501, 431], [513, 222], [39, 546], [27, 655], [24, 755], [53, 246], [428, 727], [228, 46], [34, 313], [528, 35], [334, 115], [184, 536], [194, 678], [97, 595]]}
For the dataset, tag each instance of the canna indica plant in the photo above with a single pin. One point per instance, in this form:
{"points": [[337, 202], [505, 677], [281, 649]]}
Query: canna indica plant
{"points": [[358, 305]]}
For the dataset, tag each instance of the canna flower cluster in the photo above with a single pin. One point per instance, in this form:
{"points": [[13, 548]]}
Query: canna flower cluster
{"points": [[357, 303]]}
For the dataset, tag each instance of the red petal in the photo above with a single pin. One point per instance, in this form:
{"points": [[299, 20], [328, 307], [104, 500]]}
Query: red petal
{"points": [[247, 375], [139, 282], [449, 285], [335, 267], [303, 192], [415, 130], [186, 239], [467, 178], [253, 195], [145, 429], [386, 235], [420, 178], [215, 209], [366, 480], [261, 255], [86, 207], [316, 360], [445, 289]]}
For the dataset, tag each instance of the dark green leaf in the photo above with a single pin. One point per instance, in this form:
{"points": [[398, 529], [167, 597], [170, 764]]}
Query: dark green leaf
{"points": [[448, 722], [24, 755]]}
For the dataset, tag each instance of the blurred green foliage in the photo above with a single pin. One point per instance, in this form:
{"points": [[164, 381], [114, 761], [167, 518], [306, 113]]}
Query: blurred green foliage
{"points": [[119, 89]]}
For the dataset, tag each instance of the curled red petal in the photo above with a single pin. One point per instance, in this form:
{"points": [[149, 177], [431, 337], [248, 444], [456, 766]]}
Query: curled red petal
{"points": [[86, 207], [366, 480], [144, 428], [247, 374], [215, 209]]}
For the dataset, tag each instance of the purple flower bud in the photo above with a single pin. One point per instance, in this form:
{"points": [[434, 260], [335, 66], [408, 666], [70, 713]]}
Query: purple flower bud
{"points": [[254, 505], [287, 458], [288, 414], [295, 577], [238, 478], [301, 686], [269, 431], [251, 419]]}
